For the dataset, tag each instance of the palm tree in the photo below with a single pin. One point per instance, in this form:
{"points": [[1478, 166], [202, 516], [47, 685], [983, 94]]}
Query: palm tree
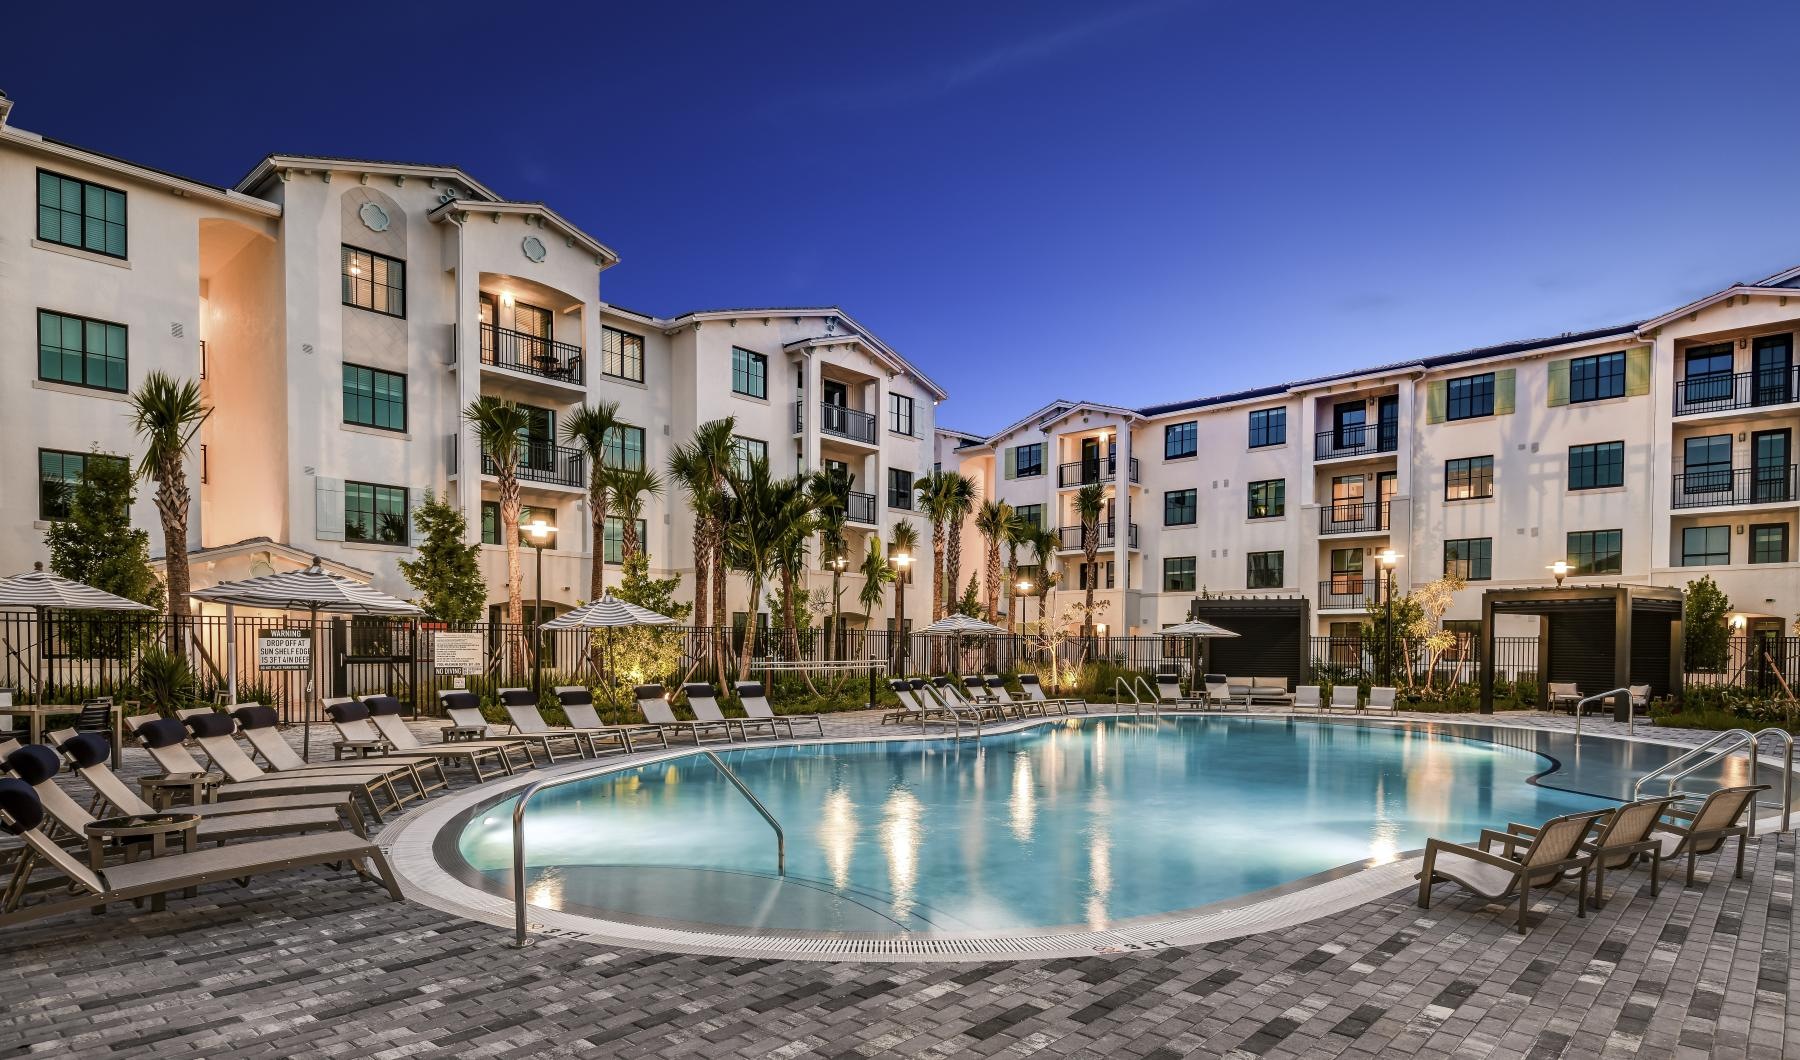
{"points": [[700, 466], [628, 488], [877, 573], [766, 515], [991, 521], [500, 427], [831, 502], [167, 413], [1044, 542], [1019, 531], [589, 427], [962, 494], [905, 539], [1090, 503]]}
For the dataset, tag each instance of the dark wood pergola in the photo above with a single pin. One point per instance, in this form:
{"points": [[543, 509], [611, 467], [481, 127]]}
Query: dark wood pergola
{"points": [[1598, 636], [1273, 635]]}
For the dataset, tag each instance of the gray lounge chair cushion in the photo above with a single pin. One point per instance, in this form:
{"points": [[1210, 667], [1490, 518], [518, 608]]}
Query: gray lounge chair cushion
{"points": [[383, 705], [518, 697], [163, 732], [750, 688], [460, 700], [647, 692], [87, 749], [576, 697], [258, 716], [342, 712], [20, 808], [215, 724], [34, 763]]}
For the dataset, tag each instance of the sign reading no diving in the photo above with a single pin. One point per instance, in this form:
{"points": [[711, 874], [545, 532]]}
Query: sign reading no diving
{"points": [[283, 649], [456, 653]]}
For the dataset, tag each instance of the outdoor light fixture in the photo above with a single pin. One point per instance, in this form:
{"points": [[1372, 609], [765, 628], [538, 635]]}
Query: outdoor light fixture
{"points": [[540, 532], [903, 560], [1739, 622], [1389, 560], [1023, 586], [1561, 569], [506, 298]]}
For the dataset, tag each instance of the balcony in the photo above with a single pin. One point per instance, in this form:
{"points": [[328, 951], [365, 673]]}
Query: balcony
{"points": [[1087, 472], [860, 508], [1353, 518], [519, 352], [839, 422], [1729, 392], [1734, 487], [1360, 440], [1068, 538], [1350, 592], [546, 464]]}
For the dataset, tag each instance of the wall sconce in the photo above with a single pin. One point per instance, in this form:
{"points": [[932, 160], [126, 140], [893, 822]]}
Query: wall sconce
{"points": [[1738, 622], [1740, 529], [1743, 342], [506, 298]]}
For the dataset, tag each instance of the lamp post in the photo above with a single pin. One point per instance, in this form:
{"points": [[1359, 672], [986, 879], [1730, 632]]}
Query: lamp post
{"points": [[900, 561], [538, 533], [1561, 570], [1389, 560], [837, 564], [1023, 588]]}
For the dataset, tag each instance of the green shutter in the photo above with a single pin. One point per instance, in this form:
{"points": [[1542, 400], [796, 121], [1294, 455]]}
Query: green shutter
{"points": [[1505, 388], [1012, 460], [1435, 400], [1559, 384], [1637, 371]]}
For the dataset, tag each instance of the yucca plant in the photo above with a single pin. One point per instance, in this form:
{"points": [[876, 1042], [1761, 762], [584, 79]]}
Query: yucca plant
{"points": [[165, 681]]}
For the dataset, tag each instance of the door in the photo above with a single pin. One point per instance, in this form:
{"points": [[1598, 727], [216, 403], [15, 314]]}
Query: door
{"points": [[1346, 572], [538, 439], [833, 392], [1347, 423], [1772, 369], [1346, 501], [1387, 483], [1766, 642], [490, 313], [1388, 417], [1773, 479], [1090, 460]]}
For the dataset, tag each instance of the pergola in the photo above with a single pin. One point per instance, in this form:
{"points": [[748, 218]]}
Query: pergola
{"points": [[1598, 636], [1272, 636]]}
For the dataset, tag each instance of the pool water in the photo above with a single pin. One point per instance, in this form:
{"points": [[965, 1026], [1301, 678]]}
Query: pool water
{"points": [[1083, 823]]}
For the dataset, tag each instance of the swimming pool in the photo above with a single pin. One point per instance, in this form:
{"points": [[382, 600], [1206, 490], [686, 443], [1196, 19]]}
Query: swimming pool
{"points": [[1084, 824]]}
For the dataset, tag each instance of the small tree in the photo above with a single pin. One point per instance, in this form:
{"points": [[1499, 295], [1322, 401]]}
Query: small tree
{"points": [[97, 545], [1704, 626], [638, 655], [447, 574]]}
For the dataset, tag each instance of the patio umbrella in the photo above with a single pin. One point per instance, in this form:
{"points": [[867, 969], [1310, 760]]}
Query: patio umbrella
{"points": [[42, 591], [1199, 630], [311, 590], [608, 613], [961, 626]]}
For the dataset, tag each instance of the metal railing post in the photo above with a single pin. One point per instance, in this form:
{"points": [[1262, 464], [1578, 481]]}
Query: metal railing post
{"points": [[780, 836]]}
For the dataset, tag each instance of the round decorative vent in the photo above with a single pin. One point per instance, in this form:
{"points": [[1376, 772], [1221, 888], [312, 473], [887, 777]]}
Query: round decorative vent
{"points": [[373, 217], [533, 248]]}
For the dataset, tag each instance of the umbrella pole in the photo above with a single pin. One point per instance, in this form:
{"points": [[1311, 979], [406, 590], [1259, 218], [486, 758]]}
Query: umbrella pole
{"points": [[231, 661], [312, 634]]}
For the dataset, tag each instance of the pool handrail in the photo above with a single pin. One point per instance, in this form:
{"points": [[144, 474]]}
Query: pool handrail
{"points": [[1719, 748], [1155, 696], [1597, 697], [1122, 685], [521, 931]]}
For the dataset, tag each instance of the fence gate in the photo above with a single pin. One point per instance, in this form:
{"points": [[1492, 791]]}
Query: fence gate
{"points": [[370, 657]]}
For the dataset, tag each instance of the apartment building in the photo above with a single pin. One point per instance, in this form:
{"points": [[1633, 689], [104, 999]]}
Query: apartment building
{"points": [[1651, 452]]}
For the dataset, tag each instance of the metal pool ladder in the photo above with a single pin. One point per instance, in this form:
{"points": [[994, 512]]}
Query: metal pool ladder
{"points": [[1581, 708], [1123, 688], [1719, 748], [521, 935]]}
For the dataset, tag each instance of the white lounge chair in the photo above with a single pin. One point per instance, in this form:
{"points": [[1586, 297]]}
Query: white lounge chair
{"points": [[1169, 694], [1308, 697], [656, 711], [166, 740], [1219, 693], [1019, 708], [703, 701], [578, 705], [521, 709], [1381, 700], [916, 704], [756, 705], [383, 718], [1344, 697], [1033, 690]]}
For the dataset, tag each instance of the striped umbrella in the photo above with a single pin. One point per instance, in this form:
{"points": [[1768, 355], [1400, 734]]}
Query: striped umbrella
{"points": [[41, 589], [961, 625], [1199, 630], [313, 589], [606, 613]]}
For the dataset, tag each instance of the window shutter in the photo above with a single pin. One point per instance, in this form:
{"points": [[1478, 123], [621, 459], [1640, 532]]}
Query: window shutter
{"points": [[328, 497], [1637, 371], [1505, 387], [414, 498], [1559, 383], [1012, 460], [1436, 397]]}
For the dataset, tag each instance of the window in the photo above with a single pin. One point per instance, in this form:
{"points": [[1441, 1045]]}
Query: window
{"points": [[1469, 478], [1708, 374], [1703, 546], [1597, 377], [1180, 508], [1028, 460], [490, 523], [749, 373], [1030, 513], [374, 282], [75, 213], [1178, 574], [1469, 558], [1769, 543], [1596, 466], [58, 475], [1472, 396], [1264, 570], [747, 451], [81, 352], [1706, 464], [1595, 551], [624, 449], [612, 539], [1179, 440], [1085, 575], [375, 513], [1033, 574], [1268, 427], [621, 354], [900, 489], [900, 414], [1268, 498], [374, 398]]}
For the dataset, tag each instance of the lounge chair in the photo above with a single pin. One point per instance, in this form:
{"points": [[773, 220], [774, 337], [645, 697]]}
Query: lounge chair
{"points": [[1033, 689], [1381, 700], [1270, 690], [1344, 697], [423, 772], [954, 695], [996, 690], [1553, 852], [382, 718], [1620, 841], [215, 734], [1307, 697], [1564, 694], [354, 722], [975, 690], [1219, 693], [703, 701], [89, 752], [656, 711], [578, 706], [521, 706], [1719, 818], [1169, 694], [911, 693], [21, 812], [166, 740], [1640, 697], [756, 705], [468, 723]]}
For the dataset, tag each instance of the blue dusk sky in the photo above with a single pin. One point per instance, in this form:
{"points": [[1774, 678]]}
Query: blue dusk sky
{"points": [[1132, 201]]}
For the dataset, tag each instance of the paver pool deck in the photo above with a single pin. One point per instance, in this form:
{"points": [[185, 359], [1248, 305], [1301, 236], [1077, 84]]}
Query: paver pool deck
{"points": [[317, 963]]}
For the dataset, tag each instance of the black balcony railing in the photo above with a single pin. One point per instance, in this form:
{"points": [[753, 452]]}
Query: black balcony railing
{"points": [[1069, 537], [860, 508], [1350, 592], [520, 352], [1353, 517], [1739, 485], [838, 421], [1084, 472], [543, 462], [1363, 439], [1728, 391]]}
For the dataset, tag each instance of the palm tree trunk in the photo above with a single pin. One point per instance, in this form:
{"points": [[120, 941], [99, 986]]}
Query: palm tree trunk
{"points": [[172, 505], [515, 575], [937, 585], [629, 537], [992, 577], [721, 607], [749, 650], [597, 507], [702, 574], [1090, 547]]}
